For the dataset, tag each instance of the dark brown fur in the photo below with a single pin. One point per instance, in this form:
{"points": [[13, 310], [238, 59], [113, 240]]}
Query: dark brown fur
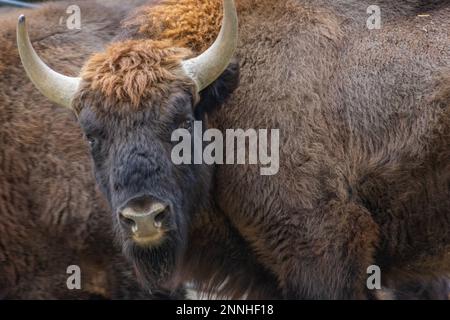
{"points": [[51, 215], [364, 173], [365, 145]]}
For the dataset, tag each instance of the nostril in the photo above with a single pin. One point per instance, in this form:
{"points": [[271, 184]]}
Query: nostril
{"points": [[160, 217]]}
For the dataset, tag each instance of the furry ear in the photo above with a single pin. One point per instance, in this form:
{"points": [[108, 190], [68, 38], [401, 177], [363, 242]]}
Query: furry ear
{"points": [[216, 94]]}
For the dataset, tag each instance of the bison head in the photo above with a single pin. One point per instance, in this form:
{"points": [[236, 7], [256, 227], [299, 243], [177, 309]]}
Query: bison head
{"points": [[129, 99]]}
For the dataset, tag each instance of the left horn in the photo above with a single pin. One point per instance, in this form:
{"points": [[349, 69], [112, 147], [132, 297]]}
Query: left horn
{"points": [[55, 86], [207, 67]]}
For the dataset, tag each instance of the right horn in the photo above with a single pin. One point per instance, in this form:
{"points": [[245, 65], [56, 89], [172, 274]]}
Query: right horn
{"points": [[208, 66], [55, 86]]}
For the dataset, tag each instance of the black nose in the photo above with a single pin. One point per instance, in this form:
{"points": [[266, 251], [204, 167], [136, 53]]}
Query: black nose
{"points": [[146, 215]]}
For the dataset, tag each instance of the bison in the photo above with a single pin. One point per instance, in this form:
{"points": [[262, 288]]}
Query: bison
{"points": [[363, 117], [51, 216]]}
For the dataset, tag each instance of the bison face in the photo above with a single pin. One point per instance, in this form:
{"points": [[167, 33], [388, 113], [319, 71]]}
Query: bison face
{"points": [[129, 131], [129, 100], [152, 199]]}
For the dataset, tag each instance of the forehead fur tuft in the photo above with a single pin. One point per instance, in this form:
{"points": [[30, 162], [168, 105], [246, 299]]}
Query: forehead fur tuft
{"points": [[133, 70]]}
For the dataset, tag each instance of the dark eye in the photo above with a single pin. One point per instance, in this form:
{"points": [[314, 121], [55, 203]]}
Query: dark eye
{"points": [[93, 141]]}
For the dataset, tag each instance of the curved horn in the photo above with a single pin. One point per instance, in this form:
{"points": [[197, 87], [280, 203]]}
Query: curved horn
{"points": [[207, 67], [56, 87]]}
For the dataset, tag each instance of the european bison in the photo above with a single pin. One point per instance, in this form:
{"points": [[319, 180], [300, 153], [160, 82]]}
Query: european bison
{"points": [[51, 216], [364, 121]]}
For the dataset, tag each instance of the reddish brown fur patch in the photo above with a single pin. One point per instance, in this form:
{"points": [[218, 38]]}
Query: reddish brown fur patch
{"points": [[135, 70], [188, 23]]}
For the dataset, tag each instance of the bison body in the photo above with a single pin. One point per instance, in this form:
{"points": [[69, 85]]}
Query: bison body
{"points": [[364, 144], [365, 153]]}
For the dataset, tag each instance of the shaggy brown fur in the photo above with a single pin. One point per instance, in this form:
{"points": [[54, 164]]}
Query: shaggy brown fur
{"points": [[131, 71], [363, 115], [365, 153], [51, 215], [186, 23]]}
